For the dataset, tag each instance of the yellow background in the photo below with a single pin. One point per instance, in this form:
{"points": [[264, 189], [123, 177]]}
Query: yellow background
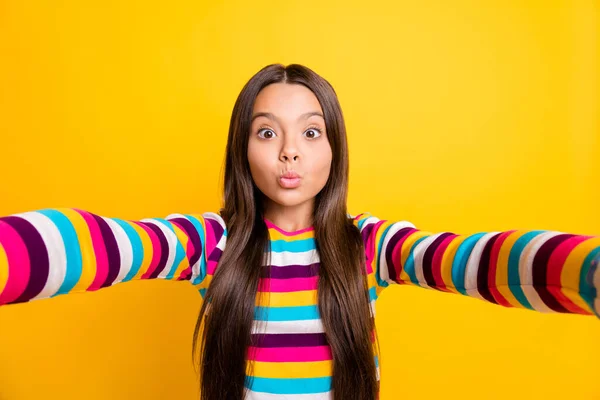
{"points": [[464, 116]]}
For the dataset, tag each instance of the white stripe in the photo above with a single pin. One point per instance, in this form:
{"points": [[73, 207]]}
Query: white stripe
{"points": [[56, 251], [526, 270], [303, 326], [252, 395], [172, 241], [285, 258], [472, 267], [372, 303], [125, 248], [383, 266]]}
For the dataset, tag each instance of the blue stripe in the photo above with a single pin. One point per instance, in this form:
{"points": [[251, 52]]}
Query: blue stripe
{"points": [[295, 246], [459, 264], [289, 385], [286, 313], [198, 226], [514, 280], [136, 246], [409, 266], [72, 249]]}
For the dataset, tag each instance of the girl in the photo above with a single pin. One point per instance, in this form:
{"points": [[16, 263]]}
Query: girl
{"points": [[290, 279]]}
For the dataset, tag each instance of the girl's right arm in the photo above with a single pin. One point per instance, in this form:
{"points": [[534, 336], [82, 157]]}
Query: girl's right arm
{"points": [[50, 252]]}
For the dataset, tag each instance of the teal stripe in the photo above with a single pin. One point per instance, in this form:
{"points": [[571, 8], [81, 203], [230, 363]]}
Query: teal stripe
{"points": [[379, 247], [202, 293], [72, 249], [372, 294], [136, 246], [289, 385], [514, 279], [295, 246], [362, 220], [409, 266], [179, 251], [286, 313], [459, 264], [198, 226], [587, 289]]}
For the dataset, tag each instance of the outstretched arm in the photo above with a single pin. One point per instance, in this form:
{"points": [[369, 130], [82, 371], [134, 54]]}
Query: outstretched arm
{"points": [[50, 252], [540, 270]]}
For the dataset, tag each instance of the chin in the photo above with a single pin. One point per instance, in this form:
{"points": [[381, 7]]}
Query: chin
{"points": [[289, 199]]}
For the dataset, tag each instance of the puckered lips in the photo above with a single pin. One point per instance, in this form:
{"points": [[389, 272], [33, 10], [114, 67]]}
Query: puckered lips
{"points": [[289, 179]]}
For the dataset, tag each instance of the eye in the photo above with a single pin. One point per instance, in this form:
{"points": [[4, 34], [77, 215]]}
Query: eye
{"points": [[266, 133], [312, 133]]}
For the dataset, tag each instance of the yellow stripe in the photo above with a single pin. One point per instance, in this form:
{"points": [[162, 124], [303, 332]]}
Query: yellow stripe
{"points": [[448, 259], [310, 369], [148, 251], [291, 299], [3, 268], [570, 274], [88, 256], [501, 277], [183, 240], [405, 252], [276, 235]]}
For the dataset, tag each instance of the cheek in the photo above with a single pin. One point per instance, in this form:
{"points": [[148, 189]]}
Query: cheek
{"points": [[321, 164], [259, 162]]}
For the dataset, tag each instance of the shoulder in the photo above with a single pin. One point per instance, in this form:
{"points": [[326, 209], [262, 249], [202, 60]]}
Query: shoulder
{"points": [[362, 220], [370, 224]]}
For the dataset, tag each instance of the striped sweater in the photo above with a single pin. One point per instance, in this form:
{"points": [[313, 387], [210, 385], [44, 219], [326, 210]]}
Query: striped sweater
{"points": [[50, 252]]}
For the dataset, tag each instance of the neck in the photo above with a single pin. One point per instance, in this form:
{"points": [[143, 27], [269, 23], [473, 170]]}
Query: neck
{"points": [[291, 218]]}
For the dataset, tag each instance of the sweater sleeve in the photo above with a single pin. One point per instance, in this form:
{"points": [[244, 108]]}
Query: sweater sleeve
{"points": [[540, 270], [50, 252]]}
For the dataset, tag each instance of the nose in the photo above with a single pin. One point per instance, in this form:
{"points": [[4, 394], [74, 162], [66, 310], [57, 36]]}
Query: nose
{"points": [[286, 157], [289, 152]]}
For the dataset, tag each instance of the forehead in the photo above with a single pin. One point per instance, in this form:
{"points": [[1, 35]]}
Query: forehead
{"points": [[286, 100]]}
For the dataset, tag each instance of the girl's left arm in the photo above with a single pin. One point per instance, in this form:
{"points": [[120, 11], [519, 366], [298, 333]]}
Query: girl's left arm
{"points": [[546, 271]]}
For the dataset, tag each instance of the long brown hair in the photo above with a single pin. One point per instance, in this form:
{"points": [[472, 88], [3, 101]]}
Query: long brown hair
{"points": [[343, 298]]}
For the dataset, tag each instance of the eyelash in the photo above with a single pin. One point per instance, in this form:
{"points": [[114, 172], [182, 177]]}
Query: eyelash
{"points": [[314, 128]]}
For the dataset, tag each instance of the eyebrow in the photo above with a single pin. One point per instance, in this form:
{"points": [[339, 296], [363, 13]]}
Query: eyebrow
{"points": [[274, 118]]}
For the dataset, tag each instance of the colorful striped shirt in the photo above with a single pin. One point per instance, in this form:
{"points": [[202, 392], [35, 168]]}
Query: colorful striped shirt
{"points": [[50, 252]]}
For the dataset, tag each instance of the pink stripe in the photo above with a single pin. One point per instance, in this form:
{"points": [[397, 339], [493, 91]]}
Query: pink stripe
{"points": [[556, 263], [289, 354], [156, 253], [278, 229], [19, 267], [99, 250], [287, 285]]}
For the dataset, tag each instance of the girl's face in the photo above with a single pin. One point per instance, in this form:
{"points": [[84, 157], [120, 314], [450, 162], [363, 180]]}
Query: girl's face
{"points": [[288, 150]]}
